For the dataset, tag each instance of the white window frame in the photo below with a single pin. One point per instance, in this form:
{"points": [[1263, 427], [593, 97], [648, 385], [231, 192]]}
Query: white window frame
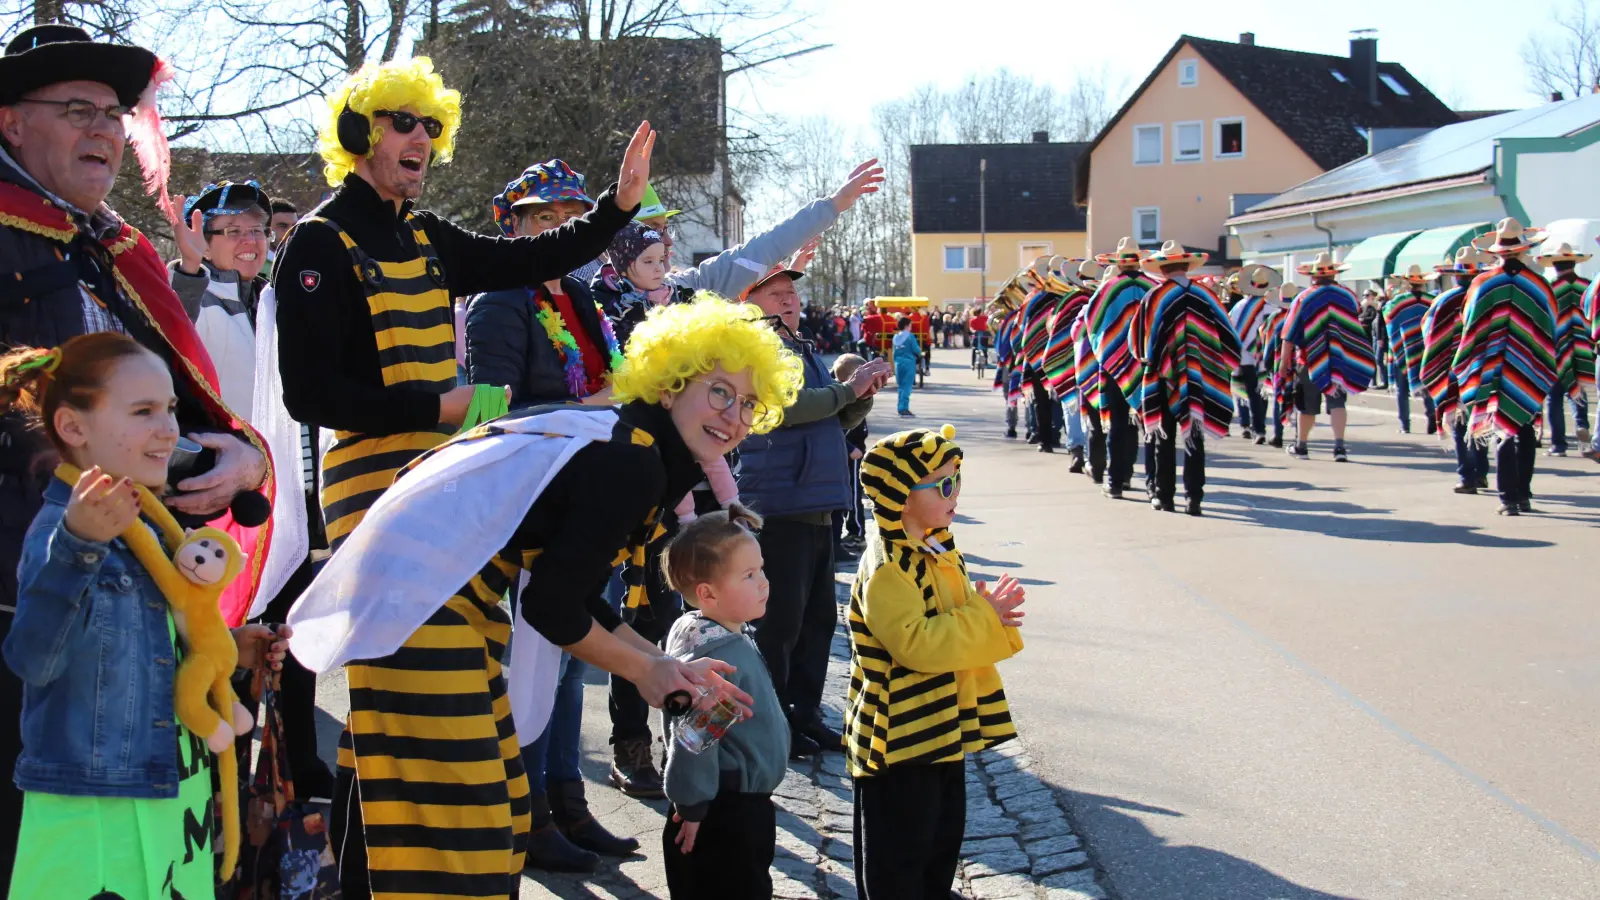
{"points": [[1045, 248], [1188, 72], [966, 257], [1138, 234], [1161, 137], [1201, 154], [1216, 138]]}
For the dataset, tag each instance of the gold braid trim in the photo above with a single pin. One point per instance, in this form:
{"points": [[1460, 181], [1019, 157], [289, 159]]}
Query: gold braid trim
{"points": [[64, 235]]}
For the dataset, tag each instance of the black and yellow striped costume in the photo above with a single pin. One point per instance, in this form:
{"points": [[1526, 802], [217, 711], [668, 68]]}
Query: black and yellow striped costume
{"points": [[415, 330], [923, 687], [443, 795]]}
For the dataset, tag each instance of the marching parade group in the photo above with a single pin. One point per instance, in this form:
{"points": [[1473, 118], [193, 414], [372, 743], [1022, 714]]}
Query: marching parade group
{"points": [[1133, 347]]}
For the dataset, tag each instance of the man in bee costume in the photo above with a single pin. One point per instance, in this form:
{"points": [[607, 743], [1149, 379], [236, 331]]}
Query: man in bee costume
{"points": [[440, 800]]}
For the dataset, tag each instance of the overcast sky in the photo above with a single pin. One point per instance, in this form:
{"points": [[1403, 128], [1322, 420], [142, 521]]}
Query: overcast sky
{"points": [[1465, 51]]}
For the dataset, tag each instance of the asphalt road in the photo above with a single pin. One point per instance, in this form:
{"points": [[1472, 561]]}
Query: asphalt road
{"points": [[1343, 681]]}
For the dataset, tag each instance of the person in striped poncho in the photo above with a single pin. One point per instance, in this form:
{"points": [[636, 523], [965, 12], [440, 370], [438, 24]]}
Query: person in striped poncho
{"points": [[1059, 365], [1574, 348], [1327, 354], [1121, 375], [1402, 319], [1506, 364], [1441, 335], [1037, 314], [1250, 286], [1189, 351]]}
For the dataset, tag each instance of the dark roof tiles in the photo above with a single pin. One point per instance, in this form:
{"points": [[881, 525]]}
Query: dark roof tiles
{"points": [[1028, 187]]}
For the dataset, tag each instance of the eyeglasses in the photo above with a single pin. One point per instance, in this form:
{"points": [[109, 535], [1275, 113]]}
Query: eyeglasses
{"points": [[405, 122], [947, 486], [83, 113], [553, 216], [722, 397], [234, 232]]}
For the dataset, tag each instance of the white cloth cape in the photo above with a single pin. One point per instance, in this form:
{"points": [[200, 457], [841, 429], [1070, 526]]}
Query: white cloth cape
{"points": [[427, 536], [291, 538]]}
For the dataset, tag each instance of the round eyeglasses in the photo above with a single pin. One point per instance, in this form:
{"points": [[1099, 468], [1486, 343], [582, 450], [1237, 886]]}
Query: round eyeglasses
{"points": [[722, 397], [947, 485]]}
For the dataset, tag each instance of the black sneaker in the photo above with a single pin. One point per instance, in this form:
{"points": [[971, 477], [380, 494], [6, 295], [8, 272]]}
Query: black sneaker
{"points": [[1525, 506], [1276, 442], [1247, 434], [1509, 509], [1340, 455], [1483, 484], [826, 739], [1299, 451], [802, 747], [1262, 439], [1463, 488], [1011, 433], [1077, 461], [1113, 492], [1193, 506]]}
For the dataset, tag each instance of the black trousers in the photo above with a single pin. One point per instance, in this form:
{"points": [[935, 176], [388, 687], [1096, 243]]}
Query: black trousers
{"points": [[1253, 412], [796, 633], [1097, 444], [630, 715], [732, 854], [1513, 466], [1046, 415], [297, 685], [851, 522], [1122, 436], [1164, 484], [909, 821]]}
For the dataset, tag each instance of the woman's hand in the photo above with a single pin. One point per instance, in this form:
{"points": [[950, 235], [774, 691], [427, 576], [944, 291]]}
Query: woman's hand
{"points": [[1006, 598], [710, 672], [262, 641], [101, 507], [686, 833], [191, 240], [635, 175]]}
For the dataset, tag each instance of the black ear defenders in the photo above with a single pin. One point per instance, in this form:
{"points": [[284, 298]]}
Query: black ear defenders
{"points": [[355, 132]]}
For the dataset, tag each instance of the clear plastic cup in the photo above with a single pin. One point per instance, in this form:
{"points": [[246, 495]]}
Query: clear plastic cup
{"points": [[700, 729]]}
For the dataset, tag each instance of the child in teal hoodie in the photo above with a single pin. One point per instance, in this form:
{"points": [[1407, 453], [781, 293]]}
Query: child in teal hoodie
{"points": [[719, 839]]}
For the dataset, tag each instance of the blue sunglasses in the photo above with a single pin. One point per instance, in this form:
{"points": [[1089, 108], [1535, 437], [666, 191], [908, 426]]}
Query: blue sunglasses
{"points": [[946, 485]]}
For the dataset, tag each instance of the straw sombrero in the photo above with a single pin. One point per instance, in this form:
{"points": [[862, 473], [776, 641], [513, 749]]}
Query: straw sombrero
{"points": [[1468, 261], [1127, 254], [1562, 253], [1173, 254], [1413, 276], [1509, 238], [1255, 280], [1322, 266], [1087, 275]]}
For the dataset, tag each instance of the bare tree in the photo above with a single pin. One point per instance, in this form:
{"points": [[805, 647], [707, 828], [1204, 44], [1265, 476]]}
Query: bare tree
{"points": [[1565, 56]]}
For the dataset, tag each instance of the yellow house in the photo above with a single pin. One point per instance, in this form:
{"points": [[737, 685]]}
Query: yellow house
{"points": [[1220, 124], [1000, 204]]}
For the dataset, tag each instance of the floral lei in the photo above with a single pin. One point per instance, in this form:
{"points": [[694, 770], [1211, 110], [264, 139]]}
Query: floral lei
{"points": [[567, 345]]}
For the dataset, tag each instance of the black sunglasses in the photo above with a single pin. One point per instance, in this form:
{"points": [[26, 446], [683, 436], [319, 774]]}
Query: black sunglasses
{"points": [[405, 122]]}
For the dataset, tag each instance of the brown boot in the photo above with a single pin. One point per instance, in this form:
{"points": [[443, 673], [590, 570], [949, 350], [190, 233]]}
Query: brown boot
{"points": [[633, 771], [549, 849], [572, 816]]}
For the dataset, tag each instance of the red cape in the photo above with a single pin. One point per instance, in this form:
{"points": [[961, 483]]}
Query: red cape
{"points": [[143, 280]]}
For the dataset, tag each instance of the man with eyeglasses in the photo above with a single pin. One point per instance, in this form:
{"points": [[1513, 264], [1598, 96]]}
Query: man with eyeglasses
{"points": [[796, 477], [69, 265]]}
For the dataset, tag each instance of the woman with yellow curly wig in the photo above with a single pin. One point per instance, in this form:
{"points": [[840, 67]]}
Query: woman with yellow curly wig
{"points": [[552, 495]]}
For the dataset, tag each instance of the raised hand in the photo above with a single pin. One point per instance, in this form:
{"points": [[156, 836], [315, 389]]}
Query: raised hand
{"points": [[1006, 599], [635, 173], [865, 179], [101, 507], [191, 240], [805, 254]]}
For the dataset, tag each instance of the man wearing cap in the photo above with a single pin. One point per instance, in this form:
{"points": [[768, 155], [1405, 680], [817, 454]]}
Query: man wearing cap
{"points": [[1506, 363], [69, 265], [795, 477], [1189, 350], [1441, 337], [1326, 354], [1249, 287], [1574, 348], [1110, 314], [1402, 319]]}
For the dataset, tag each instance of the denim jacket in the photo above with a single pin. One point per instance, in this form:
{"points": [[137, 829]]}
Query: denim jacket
{"points": [[92, 645]]}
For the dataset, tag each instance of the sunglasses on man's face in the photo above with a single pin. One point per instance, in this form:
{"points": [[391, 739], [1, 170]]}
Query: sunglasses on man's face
{"points": [[947, 486], [405, 122]]}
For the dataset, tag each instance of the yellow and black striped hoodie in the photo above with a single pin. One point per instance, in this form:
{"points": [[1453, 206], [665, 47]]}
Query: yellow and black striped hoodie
{"points": [[923, 687]]}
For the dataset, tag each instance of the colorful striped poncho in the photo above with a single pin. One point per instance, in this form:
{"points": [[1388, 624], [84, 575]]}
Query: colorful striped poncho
{"points": [[1506, 364], [1329, 339], [1441, 335], [1591, 300], [1574, 342], [1007, 356], [1403, 320], [1036, 314], [1246, 317], [1191, 351], [1060, 356], [1111, 311]]}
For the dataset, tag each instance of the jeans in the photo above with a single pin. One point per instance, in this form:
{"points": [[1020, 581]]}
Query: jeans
{"points": [[1472, 460], [1513, 467], [1381, 370], [554, 756], [1402, 401], [1556, 417], [1253, 407], [1074, 425], [905, 379]]}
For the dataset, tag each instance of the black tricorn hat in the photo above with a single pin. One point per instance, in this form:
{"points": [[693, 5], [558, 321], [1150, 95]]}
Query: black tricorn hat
{"points": [[49, 54]]}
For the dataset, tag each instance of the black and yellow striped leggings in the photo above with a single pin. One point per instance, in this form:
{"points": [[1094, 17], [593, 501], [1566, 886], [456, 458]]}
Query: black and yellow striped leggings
{"points": [[432, 798]]}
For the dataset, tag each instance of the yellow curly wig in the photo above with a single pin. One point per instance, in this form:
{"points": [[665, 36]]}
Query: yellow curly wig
{"points": [[396, 84], [680, 342]]}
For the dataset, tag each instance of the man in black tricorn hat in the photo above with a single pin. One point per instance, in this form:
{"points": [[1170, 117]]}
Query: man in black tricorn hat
{"points": [[69, 265]]}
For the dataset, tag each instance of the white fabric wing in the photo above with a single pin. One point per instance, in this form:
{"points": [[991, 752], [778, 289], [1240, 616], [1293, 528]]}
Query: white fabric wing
{"points": [[430, 533], [291, 538], [534, 676]]}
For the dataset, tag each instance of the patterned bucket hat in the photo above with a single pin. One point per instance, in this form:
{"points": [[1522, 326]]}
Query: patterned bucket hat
{"points": [[545, 182]]}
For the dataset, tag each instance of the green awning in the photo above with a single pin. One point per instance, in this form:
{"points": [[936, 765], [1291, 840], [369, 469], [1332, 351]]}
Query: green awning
{"points": [[1373, 259], [1436, 245]]}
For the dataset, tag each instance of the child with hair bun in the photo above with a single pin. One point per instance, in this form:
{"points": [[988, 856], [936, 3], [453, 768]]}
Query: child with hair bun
{"points": [[719, 839], [115, 787]]}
